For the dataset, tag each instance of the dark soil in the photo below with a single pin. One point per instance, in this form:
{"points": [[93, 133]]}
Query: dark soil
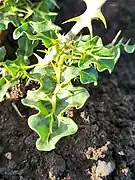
{"points": [[106, 122]]}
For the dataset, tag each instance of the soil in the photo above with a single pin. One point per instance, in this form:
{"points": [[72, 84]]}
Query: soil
{"points": [[106, 122]]}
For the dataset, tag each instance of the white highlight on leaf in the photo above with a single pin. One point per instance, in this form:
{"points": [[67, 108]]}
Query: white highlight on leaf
{"points": [[48, 57]]}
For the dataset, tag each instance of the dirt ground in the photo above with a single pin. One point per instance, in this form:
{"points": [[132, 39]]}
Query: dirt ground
{"points": [[106, 123]]}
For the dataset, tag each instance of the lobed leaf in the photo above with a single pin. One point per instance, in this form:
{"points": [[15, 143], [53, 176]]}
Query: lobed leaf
{"points": [[41, 123], [36, 32], [88, 76], [66, 127], [71, 96], [129, 48], [70, 73], [26, 47], [103, 57]]}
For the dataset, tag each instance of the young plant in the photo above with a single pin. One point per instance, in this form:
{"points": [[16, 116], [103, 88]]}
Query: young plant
{"points": [[68, 58]]}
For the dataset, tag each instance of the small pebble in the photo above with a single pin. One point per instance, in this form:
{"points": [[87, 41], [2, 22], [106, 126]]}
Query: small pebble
{"points": [[104, 168], [121, 153], [8, 155]]}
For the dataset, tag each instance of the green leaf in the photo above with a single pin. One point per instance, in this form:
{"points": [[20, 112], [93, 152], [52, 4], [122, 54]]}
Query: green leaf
{"points": [[41, 122], [66, 127], [71, 96], [87, 43], [6, 16], [70, 73], [129, 48], [86, 61], [37, 99], [15, 67], [4, 86], [107, 58], [2, 26], [40, 125], [47, 36], [24, 28], [88, 76], [39, 27], [46, 78], [104, 58], [11, 72], [26, 47]]}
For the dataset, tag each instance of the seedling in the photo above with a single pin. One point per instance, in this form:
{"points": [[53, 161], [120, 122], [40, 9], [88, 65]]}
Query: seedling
{"points": [[68, 58]]}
